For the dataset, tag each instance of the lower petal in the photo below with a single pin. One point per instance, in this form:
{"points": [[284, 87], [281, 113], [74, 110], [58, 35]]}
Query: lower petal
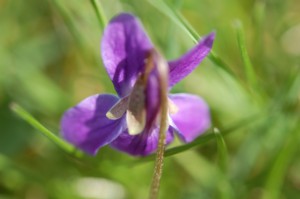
{"points": [[86, 125], [192, 117], [142, 144]]}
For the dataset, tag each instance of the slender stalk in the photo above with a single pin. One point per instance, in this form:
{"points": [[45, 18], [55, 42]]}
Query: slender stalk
{"points": [[70, 24], [159, 161], [177, 18], [100, 13], [222, 151], [206, 138], [22, 113], [279, 168], [249, 70]]}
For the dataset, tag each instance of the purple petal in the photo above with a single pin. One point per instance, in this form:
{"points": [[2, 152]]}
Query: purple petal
{"points": [[152, 99], [142, 144], [192, 118], [157, 76], [124, 48], [86, 125], [183, 66]]}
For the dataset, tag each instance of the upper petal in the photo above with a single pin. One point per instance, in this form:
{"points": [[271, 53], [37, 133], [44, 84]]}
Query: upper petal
{"points": [[188, 62], [142, 144], [192, 117], [157, 79], [86, 125], [153, 99], [124, 48]]}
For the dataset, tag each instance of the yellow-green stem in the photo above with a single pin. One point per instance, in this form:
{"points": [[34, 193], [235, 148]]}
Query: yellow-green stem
{"points": [[100, 13]]}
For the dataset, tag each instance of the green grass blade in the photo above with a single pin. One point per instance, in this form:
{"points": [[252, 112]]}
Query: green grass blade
{"points": [[259, 16], [208, 137], [175, 17], [203, 139], [178, 19], [222, 150], [70, 24], [278, 171], [46, 132], [100, 13], [249, 70]]}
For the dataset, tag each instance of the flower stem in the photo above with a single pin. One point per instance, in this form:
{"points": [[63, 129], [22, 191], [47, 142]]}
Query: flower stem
{"points": [[159, 161]]}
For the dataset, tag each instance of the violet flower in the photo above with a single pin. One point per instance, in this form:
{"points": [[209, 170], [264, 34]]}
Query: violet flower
{"points": [[129, 122]]}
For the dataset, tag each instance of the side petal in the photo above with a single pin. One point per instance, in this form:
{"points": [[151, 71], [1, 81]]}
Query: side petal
{"points": [[192, 117], [86, 125], [183, 66], [142, 144], [124, 48]]}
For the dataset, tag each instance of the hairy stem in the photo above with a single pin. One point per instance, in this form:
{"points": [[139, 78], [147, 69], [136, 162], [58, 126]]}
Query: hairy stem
{"points": [[163, 81]]}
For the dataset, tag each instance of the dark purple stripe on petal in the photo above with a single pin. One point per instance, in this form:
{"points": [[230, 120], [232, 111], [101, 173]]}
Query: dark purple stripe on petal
{"points": [[86, 125], [183, 66], [142, 144], [124, 47], [153, 99], [156, 81], [192, 117]]}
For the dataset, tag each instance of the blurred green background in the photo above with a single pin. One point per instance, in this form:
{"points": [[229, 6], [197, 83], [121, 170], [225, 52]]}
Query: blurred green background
{"points": [[50, 60]]}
